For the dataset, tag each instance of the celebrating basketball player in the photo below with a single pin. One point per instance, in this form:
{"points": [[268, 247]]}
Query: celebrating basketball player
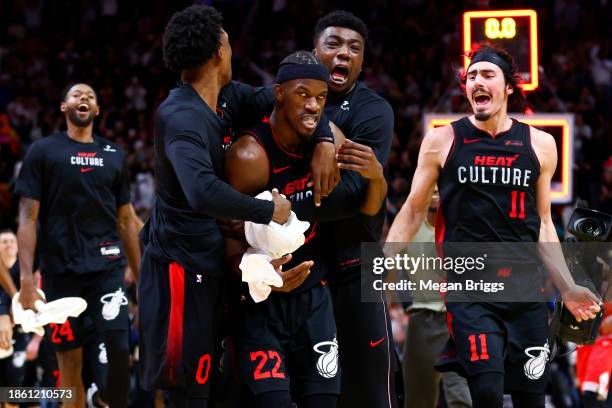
{"points": [[488, 340]]}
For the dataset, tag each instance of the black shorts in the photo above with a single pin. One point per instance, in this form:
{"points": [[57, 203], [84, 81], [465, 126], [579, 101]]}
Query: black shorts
{"points": [[107, 305], [508, 338], [179, 317], [366, 346], [288, 343], [95, 359]]}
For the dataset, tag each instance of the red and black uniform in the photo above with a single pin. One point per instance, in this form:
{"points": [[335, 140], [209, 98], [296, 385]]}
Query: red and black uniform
{"points": [[488, 194], [281, 342]]}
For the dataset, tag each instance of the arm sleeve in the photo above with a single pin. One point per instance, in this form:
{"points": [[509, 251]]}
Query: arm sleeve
{"points": [[188, 152], [256, 102], [122, 185], [30, 180]]}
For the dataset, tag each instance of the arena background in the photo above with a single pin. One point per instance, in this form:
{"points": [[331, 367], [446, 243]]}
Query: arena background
{"points": [[411, 59]]}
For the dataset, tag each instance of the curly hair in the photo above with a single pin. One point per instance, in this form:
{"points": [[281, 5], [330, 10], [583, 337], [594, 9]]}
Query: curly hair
{"points": [[517, 100], [341, 18], [192, 37]]}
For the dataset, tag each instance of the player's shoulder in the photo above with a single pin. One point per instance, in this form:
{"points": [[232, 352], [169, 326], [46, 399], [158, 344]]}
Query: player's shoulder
{"points": [[440, 135], [369, 99], [247, 147], [48, 142], [182, 103], [541, 139]]}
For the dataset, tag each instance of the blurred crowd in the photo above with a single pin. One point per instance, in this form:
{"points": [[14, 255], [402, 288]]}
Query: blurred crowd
{"points": [[116, 46], [412, 60]]}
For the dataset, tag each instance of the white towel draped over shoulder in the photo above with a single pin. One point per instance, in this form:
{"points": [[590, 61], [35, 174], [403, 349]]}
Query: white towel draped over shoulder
{"points": [[268, 242]]}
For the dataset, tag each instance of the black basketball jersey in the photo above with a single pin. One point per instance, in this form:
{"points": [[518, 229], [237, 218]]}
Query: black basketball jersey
{"points": [[488, 186], [289, 173]]}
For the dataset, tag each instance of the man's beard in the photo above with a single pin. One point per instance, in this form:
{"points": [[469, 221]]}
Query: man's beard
{"points": [[482, 116], [79, 122]]}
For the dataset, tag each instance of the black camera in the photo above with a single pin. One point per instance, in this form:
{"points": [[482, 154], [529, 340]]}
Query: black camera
{"points": [[587, 226], [590, 226]]}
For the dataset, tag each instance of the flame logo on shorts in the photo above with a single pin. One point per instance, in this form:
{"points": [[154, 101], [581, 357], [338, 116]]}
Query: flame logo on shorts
{"points": [[327, 364], [112, 302], [534, 367], [102, 357]]}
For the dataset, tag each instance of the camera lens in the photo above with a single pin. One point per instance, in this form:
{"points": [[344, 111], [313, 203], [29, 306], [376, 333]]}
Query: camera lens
{"points": [[589, 226]]}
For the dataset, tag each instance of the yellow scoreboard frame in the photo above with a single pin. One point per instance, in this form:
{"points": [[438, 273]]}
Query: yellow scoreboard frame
{"points": [[561, 126], [500, 27]]}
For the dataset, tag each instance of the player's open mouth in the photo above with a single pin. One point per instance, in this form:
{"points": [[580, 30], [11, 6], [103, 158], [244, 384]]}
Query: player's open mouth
{"points": [[481, 99], [339, 74], [310, 121], [84, 108]]}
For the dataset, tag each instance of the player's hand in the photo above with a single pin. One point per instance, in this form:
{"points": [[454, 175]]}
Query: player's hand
{"points": [[581, 302], [282, 208], [359, 158], [292, 278], [28, 294], [6, 332], [325, 172], [232, 229]]}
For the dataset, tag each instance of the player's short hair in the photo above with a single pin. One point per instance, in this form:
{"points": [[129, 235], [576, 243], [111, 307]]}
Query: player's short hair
{"points": [[7, 231], [192, 37], [341, 18], [72, 85], [516, 101]]}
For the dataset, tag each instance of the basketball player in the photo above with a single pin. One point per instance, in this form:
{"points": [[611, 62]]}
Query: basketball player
{"points": [[364, 331], [180, 290], [286, 346], [488, 339], [76, 185]]}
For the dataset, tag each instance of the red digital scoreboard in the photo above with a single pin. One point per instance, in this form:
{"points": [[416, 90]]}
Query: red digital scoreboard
{"points": [[560, 126], [514, 30]]}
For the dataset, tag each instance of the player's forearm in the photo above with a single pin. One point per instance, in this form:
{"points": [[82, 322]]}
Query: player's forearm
{"points": [[553, 258], [407, 222], [128, 231], [375, 196], [26, 238]]}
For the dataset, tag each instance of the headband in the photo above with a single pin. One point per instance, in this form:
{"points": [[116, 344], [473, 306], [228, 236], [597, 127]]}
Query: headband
{"points": [[289, 71], [494, 59]]}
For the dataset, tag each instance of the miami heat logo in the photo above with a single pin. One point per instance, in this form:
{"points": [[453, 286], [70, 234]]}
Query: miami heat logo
{"points": [[534, 367], [102, 358], [112, 302], [327, 364]]}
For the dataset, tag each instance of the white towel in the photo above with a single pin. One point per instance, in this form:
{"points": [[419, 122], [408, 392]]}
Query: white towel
{"points": [[269, 242], [259, 273], [274, 239], [57, 311]]}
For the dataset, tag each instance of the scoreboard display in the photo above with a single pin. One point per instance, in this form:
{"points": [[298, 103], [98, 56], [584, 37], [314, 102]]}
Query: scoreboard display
{"points": [[560, 126], [514, 30]]}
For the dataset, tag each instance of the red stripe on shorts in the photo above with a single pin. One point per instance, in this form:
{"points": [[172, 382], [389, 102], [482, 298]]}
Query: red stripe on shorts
{"points": [[174, 343]]}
